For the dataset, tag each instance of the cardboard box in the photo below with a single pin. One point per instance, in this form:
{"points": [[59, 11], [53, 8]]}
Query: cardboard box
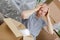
{"points": [[46, 36], [6, 33], [9, 30], [57, 2], [12, 27], [54, 10]]}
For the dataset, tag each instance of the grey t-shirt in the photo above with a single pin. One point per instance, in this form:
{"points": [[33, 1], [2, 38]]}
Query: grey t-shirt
{"points": [[35, 25]]}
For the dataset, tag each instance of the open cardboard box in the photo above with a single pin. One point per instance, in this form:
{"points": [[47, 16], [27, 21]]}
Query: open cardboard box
{"points": [[9, 30]]}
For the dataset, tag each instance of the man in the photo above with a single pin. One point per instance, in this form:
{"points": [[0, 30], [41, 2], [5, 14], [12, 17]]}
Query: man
{"points": [[36, 22]]}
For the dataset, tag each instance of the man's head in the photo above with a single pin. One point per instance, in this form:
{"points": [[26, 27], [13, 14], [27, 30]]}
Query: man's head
{"points": [[42, 11]]}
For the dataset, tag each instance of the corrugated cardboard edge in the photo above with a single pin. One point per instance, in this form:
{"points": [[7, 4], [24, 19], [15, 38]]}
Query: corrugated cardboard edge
{"points": [[13, 28]]}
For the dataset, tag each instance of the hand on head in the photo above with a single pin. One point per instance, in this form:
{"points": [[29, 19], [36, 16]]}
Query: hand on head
{"points": [[43, 10]]}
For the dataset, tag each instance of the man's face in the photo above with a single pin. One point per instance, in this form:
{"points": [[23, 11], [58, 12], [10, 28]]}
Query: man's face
{"points": [[43, 10]]}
